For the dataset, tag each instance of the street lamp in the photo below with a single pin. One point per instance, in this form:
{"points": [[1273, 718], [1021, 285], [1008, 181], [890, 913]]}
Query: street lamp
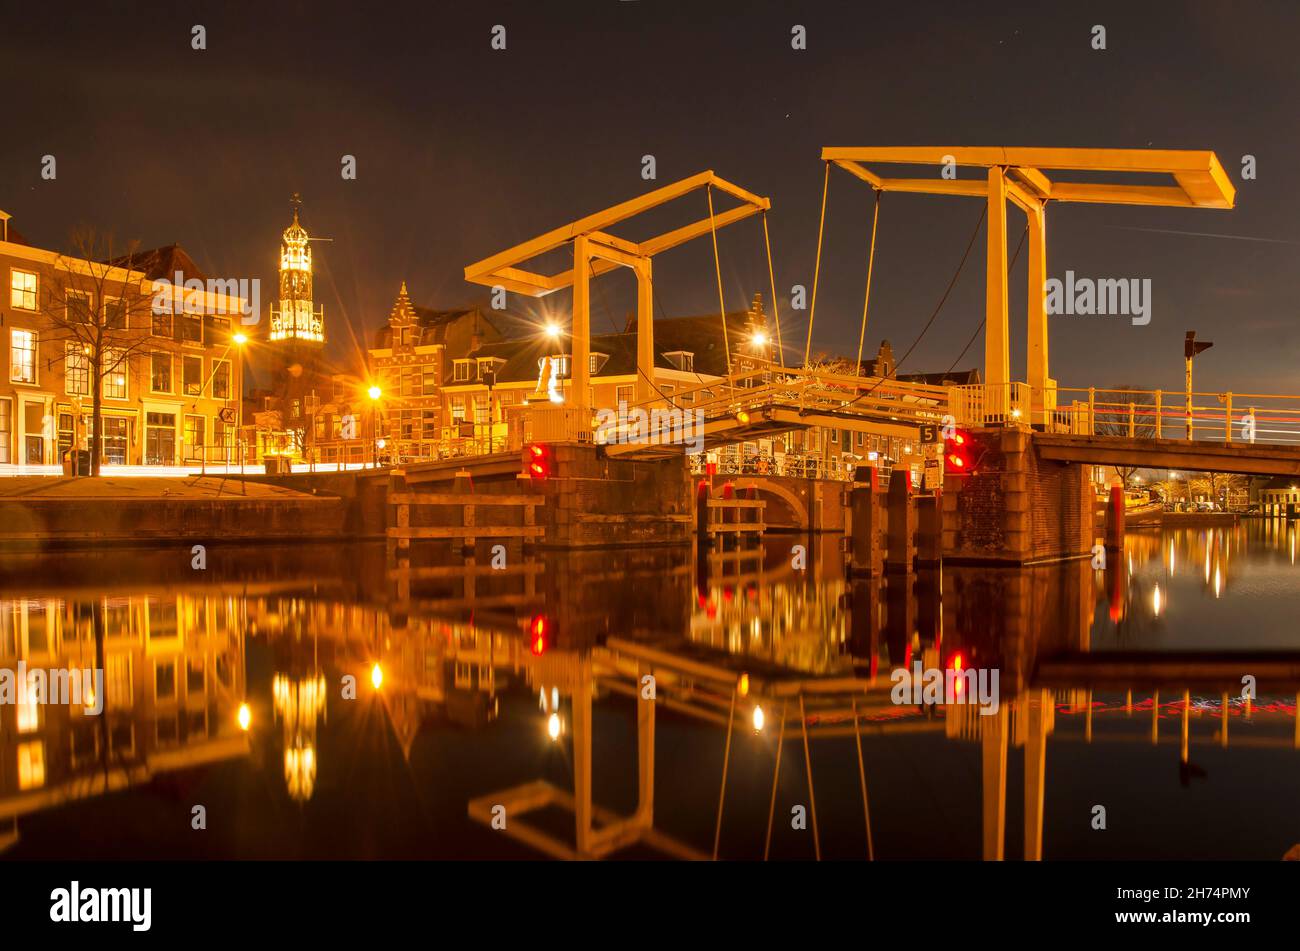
{"points": [[236, 340], [553, 330]]}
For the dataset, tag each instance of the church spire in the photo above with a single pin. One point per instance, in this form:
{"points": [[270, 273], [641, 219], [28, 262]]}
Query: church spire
{"points": [[297, 318]]}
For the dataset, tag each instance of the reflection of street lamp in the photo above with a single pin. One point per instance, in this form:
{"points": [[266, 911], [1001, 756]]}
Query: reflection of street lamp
{"points": [[374, 393]]}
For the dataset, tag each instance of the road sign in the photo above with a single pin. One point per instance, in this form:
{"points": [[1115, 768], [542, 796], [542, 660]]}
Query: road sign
{"points": [[931, 433], [228, 415]]}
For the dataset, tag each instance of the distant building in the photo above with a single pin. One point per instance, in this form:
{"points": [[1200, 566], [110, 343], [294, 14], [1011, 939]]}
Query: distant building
{"points": [[312, 411]]}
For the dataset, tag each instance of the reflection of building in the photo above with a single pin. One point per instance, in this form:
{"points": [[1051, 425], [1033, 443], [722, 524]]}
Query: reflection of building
{"points": [[299, 702], [173, 682]]}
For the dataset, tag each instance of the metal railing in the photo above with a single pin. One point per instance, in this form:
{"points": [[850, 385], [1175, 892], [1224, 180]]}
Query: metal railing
{"points": [[1170, 414]]}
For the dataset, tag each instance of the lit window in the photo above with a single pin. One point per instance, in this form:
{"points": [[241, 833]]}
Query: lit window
{"points": [[22, 289], [22, 356], [115, 366], [31, 764], [76, 371]]}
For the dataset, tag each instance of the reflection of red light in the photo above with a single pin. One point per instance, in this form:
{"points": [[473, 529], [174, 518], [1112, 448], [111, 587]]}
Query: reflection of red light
{"points": [[702, 599], [712, 610], [538, 634], [956, 664], [726, 593]]}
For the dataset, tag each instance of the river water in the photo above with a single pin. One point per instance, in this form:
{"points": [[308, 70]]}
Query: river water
{"points": [[339, 702]]}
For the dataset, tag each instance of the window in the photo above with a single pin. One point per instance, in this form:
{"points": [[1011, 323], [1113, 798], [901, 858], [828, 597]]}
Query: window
{"points": [[115, 366], [22, 356], [482, 408], [221, 380], [160, 372], [77, 306], [561, 364], [458, 409], [195, 430], [114, 313], [462, 371], [404, 336], [6, 428], [430, 424], [218, 329], [623, 394], [409, 383], [22, 289], [76, 371], [189, 328], [683, 360], [192, 375], [430, 387], [295, 408], [162, 324]]}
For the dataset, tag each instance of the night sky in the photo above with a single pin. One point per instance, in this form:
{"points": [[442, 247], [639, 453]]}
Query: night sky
{"points": [[463, 151]]}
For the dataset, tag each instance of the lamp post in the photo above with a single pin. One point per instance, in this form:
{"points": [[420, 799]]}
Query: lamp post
{"points": [[236, 340], [374, 393]]}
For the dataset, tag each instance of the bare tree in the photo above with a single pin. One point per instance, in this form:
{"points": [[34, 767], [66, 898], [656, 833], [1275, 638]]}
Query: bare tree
{"points": [[1126, 410], [102, 312]]}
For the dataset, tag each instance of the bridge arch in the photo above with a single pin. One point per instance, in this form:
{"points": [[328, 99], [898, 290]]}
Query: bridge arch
{"points": [[771, 489]]}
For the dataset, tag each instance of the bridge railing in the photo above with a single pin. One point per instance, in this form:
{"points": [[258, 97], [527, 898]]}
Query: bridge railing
{"points": [[1169, 414], [991, 404]]}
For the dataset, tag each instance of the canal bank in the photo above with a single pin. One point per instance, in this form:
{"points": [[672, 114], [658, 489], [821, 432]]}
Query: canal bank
{"points": [[40, 512]]}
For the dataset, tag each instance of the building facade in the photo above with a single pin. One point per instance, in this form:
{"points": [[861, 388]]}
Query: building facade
{"points": [[168, 359]]}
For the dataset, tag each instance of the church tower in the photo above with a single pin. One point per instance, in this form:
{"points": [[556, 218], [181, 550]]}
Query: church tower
{"points": [[297, 320]]}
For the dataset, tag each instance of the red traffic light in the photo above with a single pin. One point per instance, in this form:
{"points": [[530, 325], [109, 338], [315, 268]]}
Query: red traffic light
{"points": [[957, 453], [539, 634], [538, 461]]}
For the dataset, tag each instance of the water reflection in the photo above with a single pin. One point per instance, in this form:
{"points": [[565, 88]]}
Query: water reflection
{"points": [[348, 702]]}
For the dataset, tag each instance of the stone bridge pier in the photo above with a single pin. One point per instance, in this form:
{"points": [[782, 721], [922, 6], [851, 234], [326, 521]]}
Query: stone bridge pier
{"points": [[1016, 507]]}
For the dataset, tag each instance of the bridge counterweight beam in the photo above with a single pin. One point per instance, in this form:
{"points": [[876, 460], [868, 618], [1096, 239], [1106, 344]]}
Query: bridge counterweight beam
{"points": [[997, 361], [645, 331], [1038, 374], [580, 362]]}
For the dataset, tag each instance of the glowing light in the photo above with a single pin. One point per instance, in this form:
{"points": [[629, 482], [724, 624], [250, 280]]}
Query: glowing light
{"points": [[376, 675], [380, 443], [375, 392], [742, 687], [240, 339], [1015, 413], [553, 331], [759, 339], [1157, 601], [245, 717], [759, 719], [742, 417], [553, 726], [538, 635]]}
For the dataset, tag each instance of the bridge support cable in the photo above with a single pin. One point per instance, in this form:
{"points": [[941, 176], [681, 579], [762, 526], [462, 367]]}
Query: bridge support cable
{"points": [[973, 337], [942, 300], [726, 763], [817, 267], [871, 263], [717, 267], [771, 277]]}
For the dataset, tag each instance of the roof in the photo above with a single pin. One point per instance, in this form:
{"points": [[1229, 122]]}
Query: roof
{"points": [[434, 323], [158, 263], [699, 335]]}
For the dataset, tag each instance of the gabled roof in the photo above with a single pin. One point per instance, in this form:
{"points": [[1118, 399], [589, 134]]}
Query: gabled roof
{"points": [[162, 262]]}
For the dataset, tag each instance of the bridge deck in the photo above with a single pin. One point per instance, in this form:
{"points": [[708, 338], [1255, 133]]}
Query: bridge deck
{"points": [[1244, 458]]}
